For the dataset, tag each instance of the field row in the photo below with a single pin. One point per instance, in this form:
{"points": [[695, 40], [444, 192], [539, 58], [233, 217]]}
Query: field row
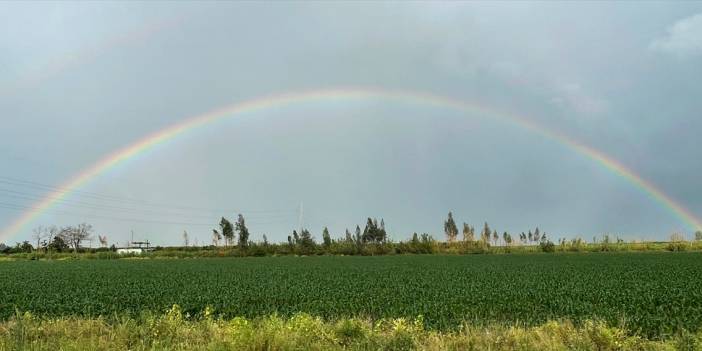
{"points": [[656, 294]]}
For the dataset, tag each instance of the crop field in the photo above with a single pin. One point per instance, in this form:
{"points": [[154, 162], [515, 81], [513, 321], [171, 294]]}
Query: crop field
{"points": [[654, 294]]}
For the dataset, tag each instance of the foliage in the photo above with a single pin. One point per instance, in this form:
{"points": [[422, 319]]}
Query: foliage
{"points": [[24, 246], [326, 238], [450, 228], [654, 294], [75, 235], [243, 232], [227, 230], [176, 330], [485, 234], [547, 246], [468, 232], [374, 233]]}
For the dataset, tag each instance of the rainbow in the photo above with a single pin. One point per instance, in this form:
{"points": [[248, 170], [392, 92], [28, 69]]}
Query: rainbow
{"points": [[268, 102]]}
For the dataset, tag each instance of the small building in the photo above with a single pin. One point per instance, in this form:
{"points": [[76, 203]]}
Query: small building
{"points": [[136, 248], [131, 250]]}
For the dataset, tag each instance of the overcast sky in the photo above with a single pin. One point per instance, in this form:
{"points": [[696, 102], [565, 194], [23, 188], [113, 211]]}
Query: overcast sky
{"points": [[81, 80]]}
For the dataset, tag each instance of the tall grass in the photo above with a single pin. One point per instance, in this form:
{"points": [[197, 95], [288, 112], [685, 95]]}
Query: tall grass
{"points": [[175, 330]]}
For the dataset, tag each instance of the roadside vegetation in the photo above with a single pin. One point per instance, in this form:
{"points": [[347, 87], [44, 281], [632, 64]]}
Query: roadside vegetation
{"points": [[175, 330]]}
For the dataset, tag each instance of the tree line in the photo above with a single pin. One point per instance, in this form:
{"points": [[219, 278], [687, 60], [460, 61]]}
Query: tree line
{"points": [[372, 239], [54, 239]]}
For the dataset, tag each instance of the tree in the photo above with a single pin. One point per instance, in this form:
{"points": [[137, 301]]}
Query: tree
{"points": [[74, 235], [185, 238], [677, 237], [450, 228], [373, 232], [58, 244], [495, 237], [383, 235], [349, 237], [326, 238], [296, 237], [415, 239], [216, 237], [537, 236], [468, 232], [359, 237], [306, 242], [698, 235], [531, 236], [25, 246], [52, 233], [38, 234], [243, 232], [227, 231], [506, 238], [485, 234]]}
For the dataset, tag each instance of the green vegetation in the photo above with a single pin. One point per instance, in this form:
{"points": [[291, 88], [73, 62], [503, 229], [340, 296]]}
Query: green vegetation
{"points": [[53, 242], [175, 330], [651, 294]]}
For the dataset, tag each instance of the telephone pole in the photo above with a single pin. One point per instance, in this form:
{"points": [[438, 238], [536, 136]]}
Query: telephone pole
{"points": [[300, 218]]}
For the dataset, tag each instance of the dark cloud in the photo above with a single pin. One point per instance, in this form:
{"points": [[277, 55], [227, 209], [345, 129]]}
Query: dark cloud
{"points": [[601, 73]]}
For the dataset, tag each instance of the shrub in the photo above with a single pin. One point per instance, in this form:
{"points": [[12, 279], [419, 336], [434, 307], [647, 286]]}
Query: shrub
{"points": [[547, 246]]}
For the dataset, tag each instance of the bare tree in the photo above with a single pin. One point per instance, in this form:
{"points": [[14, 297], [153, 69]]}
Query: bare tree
{"points": [[185, 238], [677, 237], [103, 240], [74, 235], [51, 233], [38, 234]]}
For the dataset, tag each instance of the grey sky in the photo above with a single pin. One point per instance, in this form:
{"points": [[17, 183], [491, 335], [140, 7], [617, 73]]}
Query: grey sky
{"points": [[80, 80]]}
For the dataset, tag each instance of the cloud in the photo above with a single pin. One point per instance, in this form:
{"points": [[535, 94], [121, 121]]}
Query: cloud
{"points": [[574, 97], [683, 39]]}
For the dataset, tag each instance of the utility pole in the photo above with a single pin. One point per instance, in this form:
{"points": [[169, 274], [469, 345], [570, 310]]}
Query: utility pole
{"points": [[299, 221]]}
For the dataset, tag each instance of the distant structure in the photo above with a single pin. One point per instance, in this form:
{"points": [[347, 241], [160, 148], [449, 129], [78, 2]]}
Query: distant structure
{"points": [[135, 247]]}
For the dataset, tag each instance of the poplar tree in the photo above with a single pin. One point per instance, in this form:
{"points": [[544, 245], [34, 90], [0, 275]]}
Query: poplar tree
{"points": [[326, 238], [227, 231], [243, 232], [468, 233], [450, 228], [485, 235]]}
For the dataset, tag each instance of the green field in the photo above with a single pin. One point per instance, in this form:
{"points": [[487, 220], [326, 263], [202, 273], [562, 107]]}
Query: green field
{"points": [[655, 294]]}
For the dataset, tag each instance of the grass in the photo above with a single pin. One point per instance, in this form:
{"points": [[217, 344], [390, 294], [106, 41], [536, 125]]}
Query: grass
{"points": [[174, 330]]}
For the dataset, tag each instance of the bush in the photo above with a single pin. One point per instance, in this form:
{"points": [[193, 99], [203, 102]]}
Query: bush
{"points": [[547, 246], [677, 246]]}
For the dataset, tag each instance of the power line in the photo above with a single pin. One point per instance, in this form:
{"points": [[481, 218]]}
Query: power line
{"points": [[99, 196], [103, 207], [130, 220]]}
